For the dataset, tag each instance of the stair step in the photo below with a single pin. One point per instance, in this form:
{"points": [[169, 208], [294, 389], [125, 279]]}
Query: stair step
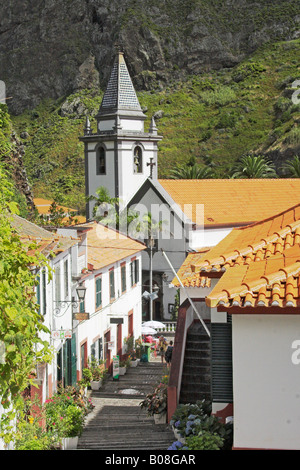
{"points": [[117, 421], [196, 374]]}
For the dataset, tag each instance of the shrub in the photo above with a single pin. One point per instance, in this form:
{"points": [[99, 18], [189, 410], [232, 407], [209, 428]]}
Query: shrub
{"points": [[204, 441], [64, 415], [156, 401], [251, 69], [192, 419]]}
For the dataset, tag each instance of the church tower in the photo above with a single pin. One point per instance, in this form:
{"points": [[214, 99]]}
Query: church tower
{"points": [[120, 155]]}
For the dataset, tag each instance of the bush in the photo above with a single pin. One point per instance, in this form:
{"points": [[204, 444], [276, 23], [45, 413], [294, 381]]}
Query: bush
{"points": [[251, 69], [31, 436], [204, 441], [193, 419], [64, 415]]}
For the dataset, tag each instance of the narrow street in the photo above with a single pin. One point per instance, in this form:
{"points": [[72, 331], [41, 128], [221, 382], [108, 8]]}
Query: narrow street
{"points": [[117, 421]]}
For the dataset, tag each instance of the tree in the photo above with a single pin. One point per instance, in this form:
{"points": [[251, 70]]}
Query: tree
{"points": [[21, 324], [108, 211], [292, 167], [191, 172], [254, 166]]}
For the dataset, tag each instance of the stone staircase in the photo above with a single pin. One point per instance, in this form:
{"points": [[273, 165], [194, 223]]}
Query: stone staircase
{"points": [[196, 375], [117, 421]]}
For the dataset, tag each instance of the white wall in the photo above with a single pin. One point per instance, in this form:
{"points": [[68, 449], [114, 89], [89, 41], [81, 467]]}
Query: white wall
{"points": [[207, 237], [99, 321], [266, 383]]}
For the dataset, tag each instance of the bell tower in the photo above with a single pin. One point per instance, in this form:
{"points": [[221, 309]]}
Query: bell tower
{"points": [[120, 155]]}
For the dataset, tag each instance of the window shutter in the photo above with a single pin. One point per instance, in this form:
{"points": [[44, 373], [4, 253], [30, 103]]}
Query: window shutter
{"points": [[221, 361], [98, 292], [136, 271], [44, 290], [38, 292], [131, 275], [112, 284], [123, 278]]}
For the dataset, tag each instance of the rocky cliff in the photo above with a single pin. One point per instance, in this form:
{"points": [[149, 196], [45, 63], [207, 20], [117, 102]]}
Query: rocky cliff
{"points": [[51, 48]]}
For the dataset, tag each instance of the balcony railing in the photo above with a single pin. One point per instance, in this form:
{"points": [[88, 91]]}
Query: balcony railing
{"points": [[170, 327]]}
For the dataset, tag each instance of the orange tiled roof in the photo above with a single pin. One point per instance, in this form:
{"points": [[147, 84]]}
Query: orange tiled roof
{"points": [[187, 276], [272, 282], [107, 246], [255, 242], [43, 206], [232, 201]]}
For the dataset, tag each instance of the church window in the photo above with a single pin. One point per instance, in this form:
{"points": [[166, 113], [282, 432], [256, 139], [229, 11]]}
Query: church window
{"points": [[101, 161], [137, 160]]}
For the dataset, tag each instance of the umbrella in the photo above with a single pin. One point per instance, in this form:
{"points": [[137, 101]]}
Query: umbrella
{"points": [[154, 324], [146, 330]]}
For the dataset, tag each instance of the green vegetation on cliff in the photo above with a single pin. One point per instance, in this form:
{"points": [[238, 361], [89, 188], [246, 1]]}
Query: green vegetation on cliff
{"points": [[214, 118]]}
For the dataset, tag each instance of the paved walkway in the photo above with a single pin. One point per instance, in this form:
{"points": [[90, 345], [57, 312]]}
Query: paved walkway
{"points": [[117, 421]]}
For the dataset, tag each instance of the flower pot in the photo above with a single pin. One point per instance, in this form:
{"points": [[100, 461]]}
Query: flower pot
{"points": [[134, 363], [160, 418], [70, 443], [178, 436], [96, 384], [122, 370]]}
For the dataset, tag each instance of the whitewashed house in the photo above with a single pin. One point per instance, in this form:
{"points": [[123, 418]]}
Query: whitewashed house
{"points": [[112, 309]]}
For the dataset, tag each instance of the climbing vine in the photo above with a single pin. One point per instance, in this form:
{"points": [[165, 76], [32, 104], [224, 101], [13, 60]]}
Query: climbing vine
{"points": [[21, 324]]}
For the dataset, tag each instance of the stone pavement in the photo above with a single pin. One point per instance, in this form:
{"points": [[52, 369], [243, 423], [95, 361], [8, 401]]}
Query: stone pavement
{"points": [[117, 421]]}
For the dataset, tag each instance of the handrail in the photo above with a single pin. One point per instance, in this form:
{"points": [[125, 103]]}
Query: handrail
{"points": [[183, 322]]}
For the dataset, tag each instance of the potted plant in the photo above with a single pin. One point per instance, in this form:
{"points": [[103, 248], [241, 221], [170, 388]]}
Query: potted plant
{"points": [[133, 359], [98, 372], [122, 367], [73, 427], [156, 403], [64, 416]]}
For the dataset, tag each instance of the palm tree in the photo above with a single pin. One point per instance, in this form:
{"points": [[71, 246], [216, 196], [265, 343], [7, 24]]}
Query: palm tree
{"points": [[254, 166], [191, 172], [107, 210], [292, 167]]}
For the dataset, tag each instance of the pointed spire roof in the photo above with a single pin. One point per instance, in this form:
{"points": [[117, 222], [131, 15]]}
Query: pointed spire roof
{"points": [[120, 94]]}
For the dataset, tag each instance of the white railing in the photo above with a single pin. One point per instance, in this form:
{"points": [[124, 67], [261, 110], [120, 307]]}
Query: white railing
{"points": [[170, 327]]}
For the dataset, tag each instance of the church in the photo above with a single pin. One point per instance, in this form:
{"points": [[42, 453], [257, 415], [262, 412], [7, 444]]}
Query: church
{"points": [[192, 215]]}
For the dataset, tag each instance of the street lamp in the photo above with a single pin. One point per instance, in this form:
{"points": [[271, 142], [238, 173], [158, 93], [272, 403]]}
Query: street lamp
{"points": [[81, 290], [63, 305]]}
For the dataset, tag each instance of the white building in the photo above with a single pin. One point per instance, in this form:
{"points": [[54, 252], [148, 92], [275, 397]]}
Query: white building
{"points": [[113, 299]]}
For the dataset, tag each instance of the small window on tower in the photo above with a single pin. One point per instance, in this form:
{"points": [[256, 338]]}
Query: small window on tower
{"points": [[137, 160], [101, 161]]}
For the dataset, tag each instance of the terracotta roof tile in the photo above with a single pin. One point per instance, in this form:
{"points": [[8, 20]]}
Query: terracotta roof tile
{"points": [[107, 246], [186, 274], [232, 201], [253, 243], [272, 282]]}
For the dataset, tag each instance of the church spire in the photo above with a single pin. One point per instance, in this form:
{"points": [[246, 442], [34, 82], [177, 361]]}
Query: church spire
{"points": [[120, 95]]}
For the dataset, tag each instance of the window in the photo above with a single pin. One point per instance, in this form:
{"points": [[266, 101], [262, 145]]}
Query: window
{"points": [[98, 291], [134, 272], [57, 284], [137, 160], [97, 350], [123, 278], [112, 284], [101, 161]]}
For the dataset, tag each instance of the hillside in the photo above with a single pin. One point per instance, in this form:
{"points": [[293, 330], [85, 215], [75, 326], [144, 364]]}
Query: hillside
{"points": [[53, 48], [215, 117]]}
